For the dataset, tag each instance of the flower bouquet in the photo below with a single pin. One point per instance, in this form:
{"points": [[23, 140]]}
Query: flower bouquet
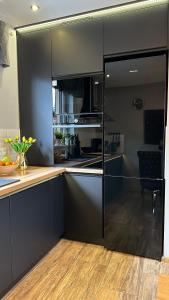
{"points": [[20, 146]]}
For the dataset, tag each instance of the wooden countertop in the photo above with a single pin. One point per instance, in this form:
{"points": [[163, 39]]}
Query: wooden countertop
{"points": [[31, 176], [34, 175]]}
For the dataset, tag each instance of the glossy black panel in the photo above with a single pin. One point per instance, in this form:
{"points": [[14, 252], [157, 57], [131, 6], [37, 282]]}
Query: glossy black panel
{"points": [[134, 105], [134, 142], [133, 222]]}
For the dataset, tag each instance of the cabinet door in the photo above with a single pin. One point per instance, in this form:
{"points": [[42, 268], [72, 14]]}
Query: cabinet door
{"points": [[5, 249], [56, 190], [136, 30], [77, 48], [32, 226], [83, 207], [35, 94]]}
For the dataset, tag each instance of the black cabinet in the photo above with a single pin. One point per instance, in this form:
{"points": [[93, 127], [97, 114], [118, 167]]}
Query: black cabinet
{"points": [[77, 47], [5, 249], [83, 207], [113, 168], [35, 93], [34, 228], [136, 30], [57, 192]]}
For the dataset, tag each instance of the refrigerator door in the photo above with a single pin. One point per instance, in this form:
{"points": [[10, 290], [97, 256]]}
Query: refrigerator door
{"points": [[134, 218], [134, 123]]}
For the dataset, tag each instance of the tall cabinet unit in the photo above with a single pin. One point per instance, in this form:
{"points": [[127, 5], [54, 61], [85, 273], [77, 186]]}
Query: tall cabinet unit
{"points": [[75, 48], [35, 93]]}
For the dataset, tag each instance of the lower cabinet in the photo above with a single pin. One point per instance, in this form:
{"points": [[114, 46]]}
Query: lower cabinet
{"points": [[57, 192], [83, 207], [34, 224], [5, 246], [32, 221]]}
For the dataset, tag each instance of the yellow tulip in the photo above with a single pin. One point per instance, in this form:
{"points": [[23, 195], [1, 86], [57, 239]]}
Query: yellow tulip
{"points": [[6, 140], [23, 139]]}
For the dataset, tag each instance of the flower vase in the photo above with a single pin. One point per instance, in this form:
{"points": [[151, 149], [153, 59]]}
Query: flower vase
{"points": [[22, 164]]}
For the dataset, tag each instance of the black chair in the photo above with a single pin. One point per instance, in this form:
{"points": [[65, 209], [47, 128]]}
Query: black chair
{"points": [[150, 170]]}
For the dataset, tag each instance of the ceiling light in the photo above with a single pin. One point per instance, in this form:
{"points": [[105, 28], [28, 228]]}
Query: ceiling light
{"points": [[108, 75], [133, 71], [35, 7]]}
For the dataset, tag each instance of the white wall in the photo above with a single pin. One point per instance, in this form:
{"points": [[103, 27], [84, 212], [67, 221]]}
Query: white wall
{"points": [[9, 112]]}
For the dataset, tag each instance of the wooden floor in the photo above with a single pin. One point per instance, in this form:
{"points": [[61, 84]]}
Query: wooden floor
{"points": [[163, 287], [78, 271]]}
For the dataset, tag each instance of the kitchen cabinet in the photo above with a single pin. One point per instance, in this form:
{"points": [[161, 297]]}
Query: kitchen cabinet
{"points": [[83, 207], [77, 47], [35, 94], [33, 223], [136, 30], [56, 191], [5, 249]]}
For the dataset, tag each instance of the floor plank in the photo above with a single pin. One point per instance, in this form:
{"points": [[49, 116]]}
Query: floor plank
{"points": [[163, 288], [74, 270]]}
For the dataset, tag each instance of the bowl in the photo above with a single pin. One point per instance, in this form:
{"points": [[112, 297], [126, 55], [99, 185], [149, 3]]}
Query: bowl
{"points": [[7, 170]]}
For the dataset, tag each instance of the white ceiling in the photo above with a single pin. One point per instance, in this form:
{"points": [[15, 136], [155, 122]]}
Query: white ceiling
{"points": [[18, 12], [150, 70]]}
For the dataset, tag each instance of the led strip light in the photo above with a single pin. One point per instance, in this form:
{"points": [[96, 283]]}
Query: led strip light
{"points": [[102, 12]]}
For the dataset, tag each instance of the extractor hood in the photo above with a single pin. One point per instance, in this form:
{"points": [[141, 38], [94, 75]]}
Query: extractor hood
{"points": [[4, 36]]}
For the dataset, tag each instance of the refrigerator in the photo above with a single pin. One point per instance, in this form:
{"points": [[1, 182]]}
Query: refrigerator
{"points": [[134, 145]]}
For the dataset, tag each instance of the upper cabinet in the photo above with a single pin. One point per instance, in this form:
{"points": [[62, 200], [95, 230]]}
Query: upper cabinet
{"points": [[136, 30], [35, 93], [77, 47]]}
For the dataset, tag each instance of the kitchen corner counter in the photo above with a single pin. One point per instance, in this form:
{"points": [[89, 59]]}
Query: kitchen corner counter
{"points": [[34, 175], [29, 177]]}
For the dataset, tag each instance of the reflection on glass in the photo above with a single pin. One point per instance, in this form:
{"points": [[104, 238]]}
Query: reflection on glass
{"points": [[78, 118], [134, 106]]}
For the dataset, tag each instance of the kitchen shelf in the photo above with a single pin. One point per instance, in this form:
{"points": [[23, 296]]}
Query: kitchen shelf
{"points": [[77, 126]]}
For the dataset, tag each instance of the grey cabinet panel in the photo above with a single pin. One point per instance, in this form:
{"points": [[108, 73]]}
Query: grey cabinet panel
{"points": [[136, 30], [57, 192], [32, 225], [35, 93], [83, 207], [5, 248], [77, 48]]}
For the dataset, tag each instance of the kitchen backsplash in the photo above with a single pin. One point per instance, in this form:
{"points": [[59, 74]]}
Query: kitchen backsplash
{"points": [[5, 149]]}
